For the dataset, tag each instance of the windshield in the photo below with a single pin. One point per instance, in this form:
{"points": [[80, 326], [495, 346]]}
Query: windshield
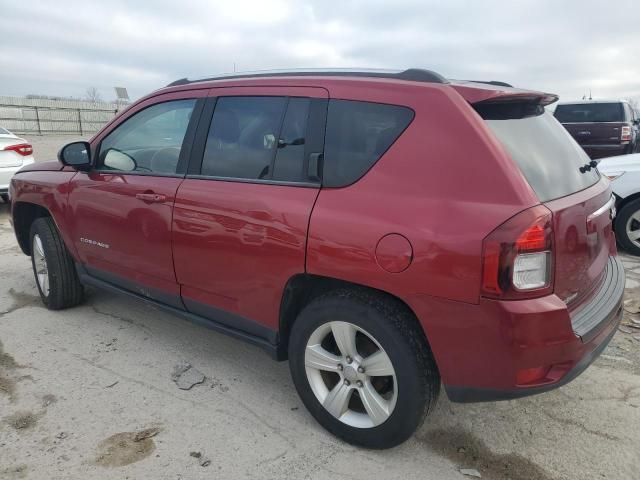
{"points": [[589, 112], [4, 132], [547, 155]]}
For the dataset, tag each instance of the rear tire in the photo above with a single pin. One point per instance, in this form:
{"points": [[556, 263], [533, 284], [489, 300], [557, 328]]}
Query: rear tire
{"points": [[376, 410], [627, 227], [53, 267]]}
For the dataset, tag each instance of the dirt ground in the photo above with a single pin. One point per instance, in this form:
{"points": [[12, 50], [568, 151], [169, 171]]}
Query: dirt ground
{"points": [[87, 393]]}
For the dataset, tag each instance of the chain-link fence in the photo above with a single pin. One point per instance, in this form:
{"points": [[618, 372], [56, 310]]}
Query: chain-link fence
{"points": [[37, 116]]}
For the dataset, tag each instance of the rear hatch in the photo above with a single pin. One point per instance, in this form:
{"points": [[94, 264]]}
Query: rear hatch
{"points": [[579, 200], [592, 123]]}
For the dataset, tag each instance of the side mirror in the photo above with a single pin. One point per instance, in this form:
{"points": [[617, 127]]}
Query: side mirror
{"points": [[76, 155]]}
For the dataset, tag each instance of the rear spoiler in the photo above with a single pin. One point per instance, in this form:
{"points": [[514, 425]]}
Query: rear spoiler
{"points": [[475, 93]]}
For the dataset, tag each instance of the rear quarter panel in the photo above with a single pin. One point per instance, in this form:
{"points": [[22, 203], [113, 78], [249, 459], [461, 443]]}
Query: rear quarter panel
{"points": [[444, 185]]}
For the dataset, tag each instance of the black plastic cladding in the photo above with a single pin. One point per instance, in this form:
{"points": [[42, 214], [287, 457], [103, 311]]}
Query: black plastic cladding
{"points": [[412, 74]]}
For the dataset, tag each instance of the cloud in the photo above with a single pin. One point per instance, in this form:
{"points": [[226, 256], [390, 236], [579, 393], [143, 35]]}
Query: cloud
{"points": [[569, 47]]}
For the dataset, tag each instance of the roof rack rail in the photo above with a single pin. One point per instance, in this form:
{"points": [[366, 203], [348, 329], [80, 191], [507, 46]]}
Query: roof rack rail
{"points": [[492, 82], [411, 74]]}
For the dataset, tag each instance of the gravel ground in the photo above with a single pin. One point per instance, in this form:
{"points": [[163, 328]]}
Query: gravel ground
{"points": [[89, 393], [79, 387]]}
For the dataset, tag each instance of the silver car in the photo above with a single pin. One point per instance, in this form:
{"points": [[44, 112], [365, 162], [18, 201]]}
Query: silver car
{"points": [[15, 152], [624, 173]]}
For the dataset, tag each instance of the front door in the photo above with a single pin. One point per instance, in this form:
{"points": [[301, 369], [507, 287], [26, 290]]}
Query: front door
{"points": [[120, 211], [241, 215]]}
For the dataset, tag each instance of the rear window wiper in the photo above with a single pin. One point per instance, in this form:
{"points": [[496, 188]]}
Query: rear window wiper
{"points": [[588, 166]]}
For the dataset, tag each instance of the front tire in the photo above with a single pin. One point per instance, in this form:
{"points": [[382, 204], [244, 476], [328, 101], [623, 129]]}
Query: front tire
{"points": [[53, 267], [627, 227], [362, 367], [4, 197]]}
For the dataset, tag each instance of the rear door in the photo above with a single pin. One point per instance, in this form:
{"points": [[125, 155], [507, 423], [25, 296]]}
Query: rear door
{"points": [[580, 200], [120, 211], [241, 215]]}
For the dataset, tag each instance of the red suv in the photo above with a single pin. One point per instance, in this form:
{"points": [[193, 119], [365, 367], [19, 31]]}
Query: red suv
{"points": [[385, 231]]}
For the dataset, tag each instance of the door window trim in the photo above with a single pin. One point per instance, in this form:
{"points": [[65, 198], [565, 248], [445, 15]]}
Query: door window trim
{"points": [[317, 115], [185, 148]]}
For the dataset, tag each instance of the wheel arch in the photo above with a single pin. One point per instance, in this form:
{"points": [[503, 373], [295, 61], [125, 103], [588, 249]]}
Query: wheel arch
{"points": [[24, 214], [621, 202], [302, 288]]}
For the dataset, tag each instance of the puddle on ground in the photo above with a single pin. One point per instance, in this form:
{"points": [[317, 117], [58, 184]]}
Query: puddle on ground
{"points": [[7, 386], [467, 451], [19, 471], [125, 448], [23, 420], [21, 300], [6, 360]]}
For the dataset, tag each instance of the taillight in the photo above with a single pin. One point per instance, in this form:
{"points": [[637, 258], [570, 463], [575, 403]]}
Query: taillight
{"points": [[518, 256], [23, 149], [625, 134]]}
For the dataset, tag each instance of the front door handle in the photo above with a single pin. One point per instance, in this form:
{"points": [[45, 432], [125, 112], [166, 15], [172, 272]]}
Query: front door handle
{"points": [[150, 197]]}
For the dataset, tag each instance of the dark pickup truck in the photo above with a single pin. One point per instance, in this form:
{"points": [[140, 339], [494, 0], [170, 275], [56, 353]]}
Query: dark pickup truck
{"points": [[602, 128]]}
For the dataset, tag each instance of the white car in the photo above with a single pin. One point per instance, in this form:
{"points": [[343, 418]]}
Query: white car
{"points": [[15, 152], [624, 173]]}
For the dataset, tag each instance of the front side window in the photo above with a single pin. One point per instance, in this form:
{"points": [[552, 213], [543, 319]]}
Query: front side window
{"points": [[150, 141]]}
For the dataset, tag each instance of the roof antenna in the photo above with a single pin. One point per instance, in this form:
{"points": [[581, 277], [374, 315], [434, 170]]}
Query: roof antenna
{"points": [[590, 95], [234, 67]]}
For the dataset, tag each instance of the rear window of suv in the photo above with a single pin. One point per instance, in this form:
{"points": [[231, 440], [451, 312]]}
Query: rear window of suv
{"points": [[589, 112], [547, 155]]}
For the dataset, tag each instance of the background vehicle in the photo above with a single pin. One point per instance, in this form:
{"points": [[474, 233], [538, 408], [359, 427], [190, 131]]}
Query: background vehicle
{"points": [[624, 173], [602, 127], [14, 153], [337, 219]]}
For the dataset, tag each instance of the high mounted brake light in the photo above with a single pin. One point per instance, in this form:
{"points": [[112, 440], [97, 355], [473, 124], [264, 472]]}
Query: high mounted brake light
{"points": [[518, 256]]}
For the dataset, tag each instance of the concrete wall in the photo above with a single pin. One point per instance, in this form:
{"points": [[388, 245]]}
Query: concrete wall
{"points": [[44, 116]]}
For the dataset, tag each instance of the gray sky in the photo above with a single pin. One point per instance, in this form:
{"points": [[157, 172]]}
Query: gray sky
{"points": [[561, 46]]}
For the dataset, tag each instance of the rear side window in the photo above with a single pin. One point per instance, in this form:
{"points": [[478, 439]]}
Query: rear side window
{"points": [[258, 138], [243, 137], [589, 112], [357, 135], [546, 153], [289, 164]]}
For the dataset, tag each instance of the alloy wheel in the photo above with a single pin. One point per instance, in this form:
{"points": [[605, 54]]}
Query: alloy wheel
{"points": [[350, 374], [40, 262], [633, 228]]}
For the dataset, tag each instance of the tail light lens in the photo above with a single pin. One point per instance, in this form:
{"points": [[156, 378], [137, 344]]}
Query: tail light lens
{"points": [[625, 134], [23, 149], [518, 257]]}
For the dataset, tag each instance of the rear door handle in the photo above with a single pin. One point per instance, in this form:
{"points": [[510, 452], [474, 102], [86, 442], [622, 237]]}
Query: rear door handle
{"points": [[150, 197]]}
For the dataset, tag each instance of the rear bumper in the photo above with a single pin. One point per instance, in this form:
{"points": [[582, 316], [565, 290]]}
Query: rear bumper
{"points": [[486, 352]]}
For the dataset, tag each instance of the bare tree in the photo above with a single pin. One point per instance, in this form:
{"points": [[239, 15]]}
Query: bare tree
{"points": [[93, 95], [634, 102]]}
